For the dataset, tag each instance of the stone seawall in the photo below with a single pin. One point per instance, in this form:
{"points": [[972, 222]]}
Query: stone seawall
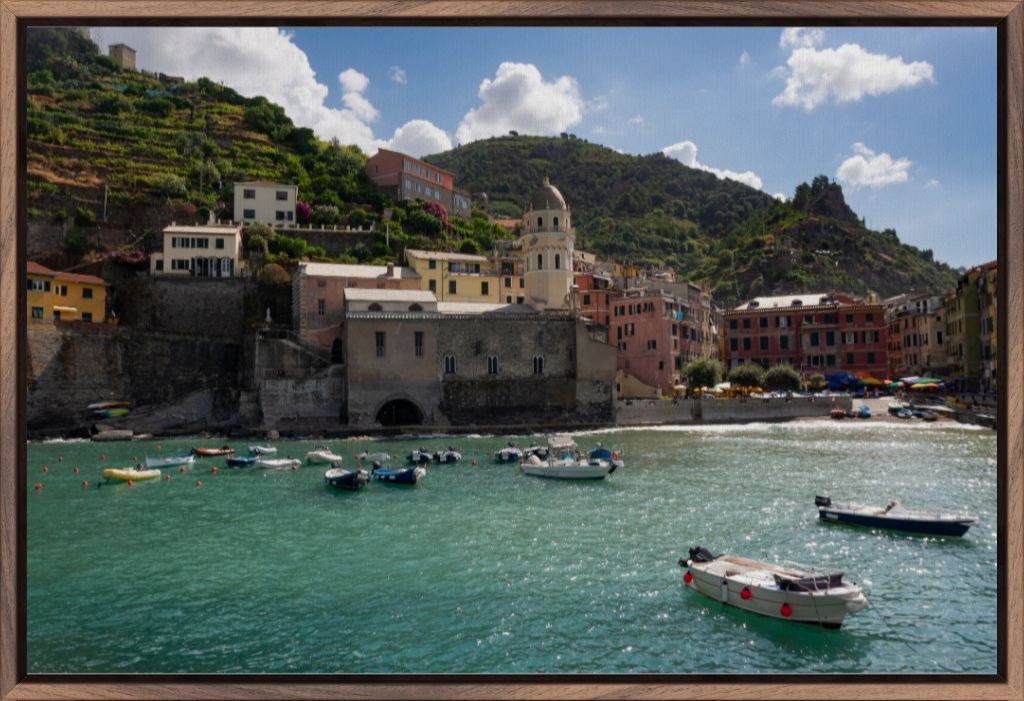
{"points": [[71, 366], [653, 412]]}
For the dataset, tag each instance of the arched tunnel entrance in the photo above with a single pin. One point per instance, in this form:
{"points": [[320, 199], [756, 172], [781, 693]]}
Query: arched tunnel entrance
{"points": [[399, 412]]}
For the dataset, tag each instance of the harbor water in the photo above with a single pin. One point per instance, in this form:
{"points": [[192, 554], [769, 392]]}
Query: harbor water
{"points": [[480, 569]]}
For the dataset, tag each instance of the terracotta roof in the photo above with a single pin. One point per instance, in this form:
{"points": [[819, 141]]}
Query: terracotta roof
{"points": [[87, 279], [37, 269], [441, 255]]}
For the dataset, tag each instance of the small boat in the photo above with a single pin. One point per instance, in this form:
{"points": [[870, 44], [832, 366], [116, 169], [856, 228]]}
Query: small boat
{"points": [[895, 517], [109, 405], [420, 457], [790, 592], [276, 464], [930, 416], [447, 456], [602, 453], [346, 479], [838, 413], [322, 454], [124, 474], [409, 475], [904, 413], [565, 462], [262, 450], [173, 461], [863, 412], [541, 451], [373, 457], [509, 453], [213, 452], [895, 408], [242, 460], [113, 413]]}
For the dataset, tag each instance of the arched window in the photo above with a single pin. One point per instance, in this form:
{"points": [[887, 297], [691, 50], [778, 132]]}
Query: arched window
{"points": [[492, 365], [558, 262], [538, 365], [554, 223], [540, 261], [540, 222], [415, 308], [376, 307], [449, 365]]}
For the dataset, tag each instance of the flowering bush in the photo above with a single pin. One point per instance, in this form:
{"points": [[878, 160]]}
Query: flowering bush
{"points": [[437, 210], [303, 212]]}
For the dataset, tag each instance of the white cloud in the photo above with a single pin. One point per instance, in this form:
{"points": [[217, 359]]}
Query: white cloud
{"points": [[801, 37], [637, 119], [598, 104], [353, 83], [256, 61], [397, 75], [686, 153], [933, 184], [779, 196], [418, 138], [846, 74], [869, 169], [600, 130], [744, 58], [518, 98]]}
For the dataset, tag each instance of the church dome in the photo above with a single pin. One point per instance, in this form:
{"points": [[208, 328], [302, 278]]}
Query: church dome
{"points": [[547, 196]]}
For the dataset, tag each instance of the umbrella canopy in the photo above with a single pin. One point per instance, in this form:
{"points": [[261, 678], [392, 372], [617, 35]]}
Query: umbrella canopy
{"points": [[870, 381], [925, 385], [929, 381], [913, 379]]}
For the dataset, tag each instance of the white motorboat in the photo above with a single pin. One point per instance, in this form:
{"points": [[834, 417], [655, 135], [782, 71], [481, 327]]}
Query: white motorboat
{"points": [[371, 458], [276, 464], [172, 461], [322, 454], [565, 462], [346, 479], [510, 453], [262, 450], [789, 592], [447, 456]]}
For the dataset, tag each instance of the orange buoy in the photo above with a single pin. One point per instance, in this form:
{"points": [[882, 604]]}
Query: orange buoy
{"points": [[181, 469], [45, 469], [102, 457], [167, 478], [198, 483], [39, 486], [85, 484], [474, 463], [213, 470], [75, 470], [131, 483]]}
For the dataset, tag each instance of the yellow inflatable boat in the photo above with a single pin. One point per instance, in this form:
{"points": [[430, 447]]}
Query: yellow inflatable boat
{"points": [[135, 474]]}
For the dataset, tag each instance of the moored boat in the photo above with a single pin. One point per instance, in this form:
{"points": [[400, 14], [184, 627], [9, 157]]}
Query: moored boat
{"points": [[275, 463], [322, 454], [242, 460], [124, 474], [171, 461], [510, 453], [262, 450], [565, 462], [109, 405], [113, 413], [213, 452], [346, 479], [789, 592], [602, 453], [408, 475], [894, 517], [838, 413], [863, 412], [448, 455], [420, 456], [371, 458]]}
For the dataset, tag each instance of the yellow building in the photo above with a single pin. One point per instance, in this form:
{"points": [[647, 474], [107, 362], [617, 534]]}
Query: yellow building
{"points": [[59, 296], [457, 277]]}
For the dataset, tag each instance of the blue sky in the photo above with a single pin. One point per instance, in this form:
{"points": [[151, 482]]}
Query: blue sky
{"points": [[903, 118]]}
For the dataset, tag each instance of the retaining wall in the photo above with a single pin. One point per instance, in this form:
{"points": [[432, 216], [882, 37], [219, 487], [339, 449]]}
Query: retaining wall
{"points": [[653, 412]]}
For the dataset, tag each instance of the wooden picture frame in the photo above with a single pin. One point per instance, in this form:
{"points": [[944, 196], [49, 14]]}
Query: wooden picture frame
{"points": [[1006, 15]]}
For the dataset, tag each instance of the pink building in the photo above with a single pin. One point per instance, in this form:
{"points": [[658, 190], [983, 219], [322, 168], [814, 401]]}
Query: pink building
{"points": [[646, 330], [318, 295], [596, 296]]}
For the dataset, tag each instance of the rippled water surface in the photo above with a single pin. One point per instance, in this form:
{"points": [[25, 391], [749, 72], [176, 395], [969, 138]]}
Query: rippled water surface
{"points": [[482, 569]]}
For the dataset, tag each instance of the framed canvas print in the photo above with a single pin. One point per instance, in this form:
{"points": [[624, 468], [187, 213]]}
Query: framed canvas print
{"points": [[365, 349]]}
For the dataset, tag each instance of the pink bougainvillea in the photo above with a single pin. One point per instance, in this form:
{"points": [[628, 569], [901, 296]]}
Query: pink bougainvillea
{"points": [[302, 212], [437, 210]]}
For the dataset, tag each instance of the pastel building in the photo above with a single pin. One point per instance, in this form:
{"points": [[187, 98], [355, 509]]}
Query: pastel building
{"points": [[815, 334], [456, 277], [987, 311], [201, 250], [319, 296], [266, 202], [547, 243], [963, 331], [646, 331], [407, 179], [61, 296], [916, 335]]}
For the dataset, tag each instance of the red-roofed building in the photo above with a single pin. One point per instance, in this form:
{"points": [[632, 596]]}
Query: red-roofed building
{"points": [[408, 179]]}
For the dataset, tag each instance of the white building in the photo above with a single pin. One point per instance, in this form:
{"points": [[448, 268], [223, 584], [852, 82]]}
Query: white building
{"points": [[266, 202], [201, 250]]}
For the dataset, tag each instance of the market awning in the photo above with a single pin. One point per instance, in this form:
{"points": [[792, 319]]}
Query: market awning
{"points": [[65, 309]]}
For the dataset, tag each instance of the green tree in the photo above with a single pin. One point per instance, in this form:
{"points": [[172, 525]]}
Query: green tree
{"points": [[113, 104], [749, 375], [325, 214], [817, 382], [702, 372], [782, 378]]}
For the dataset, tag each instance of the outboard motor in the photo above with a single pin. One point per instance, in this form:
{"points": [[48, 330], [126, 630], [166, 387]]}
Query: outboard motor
{"points": [[822, 501], [700, 554]]}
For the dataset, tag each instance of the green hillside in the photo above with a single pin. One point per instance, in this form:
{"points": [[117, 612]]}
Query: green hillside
{"points": [[652, 210]]}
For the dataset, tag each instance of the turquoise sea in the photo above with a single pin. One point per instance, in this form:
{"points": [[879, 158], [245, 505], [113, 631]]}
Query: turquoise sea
{"points": [[480, 569]]}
